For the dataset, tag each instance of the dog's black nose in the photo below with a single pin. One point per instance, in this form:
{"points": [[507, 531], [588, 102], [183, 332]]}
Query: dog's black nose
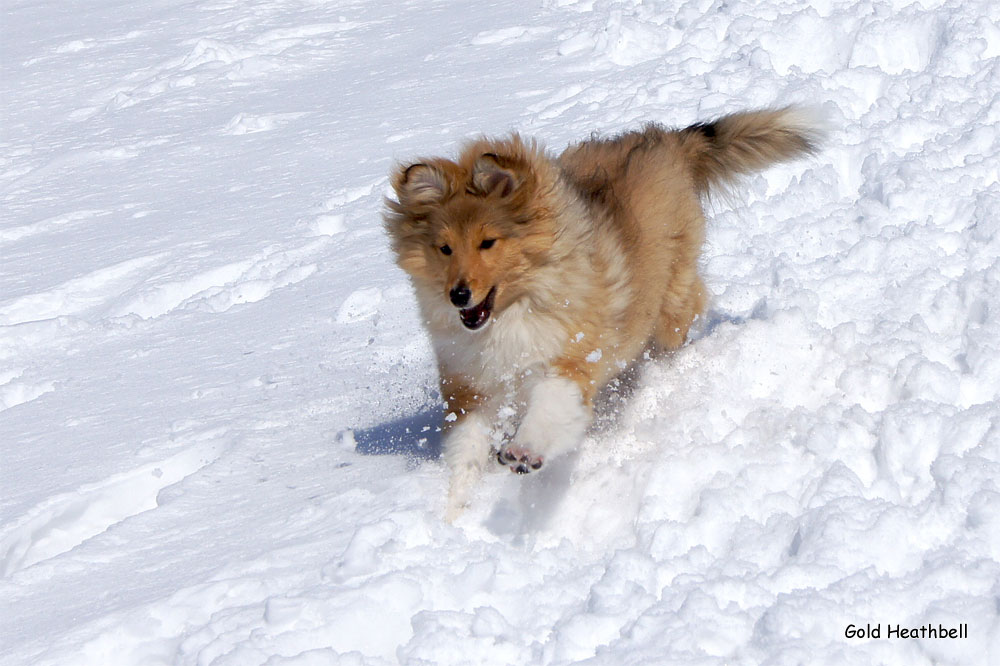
{"points": [[460, 295]]}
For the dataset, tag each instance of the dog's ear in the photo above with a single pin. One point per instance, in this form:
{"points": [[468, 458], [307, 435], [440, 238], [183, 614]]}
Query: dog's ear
{"points": [[420, 185], [490, 176]]}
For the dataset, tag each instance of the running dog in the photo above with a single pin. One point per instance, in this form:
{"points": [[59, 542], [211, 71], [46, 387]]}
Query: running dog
{"points": [[540, 278]]}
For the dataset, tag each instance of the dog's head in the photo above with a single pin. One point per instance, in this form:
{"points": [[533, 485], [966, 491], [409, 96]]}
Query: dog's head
{"points": [[469, 232]]}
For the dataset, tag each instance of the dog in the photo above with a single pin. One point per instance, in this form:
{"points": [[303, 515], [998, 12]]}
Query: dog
{"points": [[540, 278]]}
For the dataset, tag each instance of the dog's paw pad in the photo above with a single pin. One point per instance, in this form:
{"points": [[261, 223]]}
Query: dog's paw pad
{"points": [[519, 459]]}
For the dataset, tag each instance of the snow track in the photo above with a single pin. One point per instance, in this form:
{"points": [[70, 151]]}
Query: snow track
{"points": [[63, 522], [218, 436]]}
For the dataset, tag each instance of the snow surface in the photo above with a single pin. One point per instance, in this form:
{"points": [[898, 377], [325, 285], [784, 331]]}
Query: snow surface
{"points": [[218, 430]]}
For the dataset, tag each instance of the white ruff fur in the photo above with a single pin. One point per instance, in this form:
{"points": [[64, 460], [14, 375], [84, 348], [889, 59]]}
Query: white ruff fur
{"points": [[511, 343]]}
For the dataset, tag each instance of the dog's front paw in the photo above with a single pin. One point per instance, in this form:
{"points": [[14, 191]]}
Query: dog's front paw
{"points": [[519, 459]]}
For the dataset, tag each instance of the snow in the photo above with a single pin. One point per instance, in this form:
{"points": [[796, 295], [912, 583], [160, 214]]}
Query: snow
{"points": [[218, 421]]}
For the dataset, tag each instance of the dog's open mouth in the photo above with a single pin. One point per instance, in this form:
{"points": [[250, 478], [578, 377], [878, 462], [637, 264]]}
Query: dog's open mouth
{"points": [[477, 315]]}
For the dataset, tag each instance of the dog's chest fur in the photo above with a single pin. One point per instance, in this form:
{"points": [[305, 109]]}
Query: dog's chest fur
{"points": [[515, 341]]}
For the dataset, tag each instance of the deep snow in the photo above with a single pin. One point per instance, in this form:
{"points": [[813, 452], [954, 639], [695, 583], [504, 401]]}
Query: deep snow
{"points": [[217, 409]]}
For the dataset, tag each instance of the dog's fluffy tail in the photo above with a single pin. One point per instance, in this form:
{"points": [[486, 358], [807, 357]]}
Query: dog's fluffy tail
{"points": [[742, 143]]}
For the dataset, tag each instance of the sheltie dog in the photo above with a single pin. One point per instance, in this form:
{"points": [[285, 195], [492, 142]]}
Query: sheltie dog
{"points": [[540, 278]]}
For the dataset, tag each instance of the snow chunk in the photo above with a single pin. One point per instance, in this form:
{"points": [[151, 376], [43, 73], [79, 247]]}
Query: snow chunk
{"points": [[361, 304]]}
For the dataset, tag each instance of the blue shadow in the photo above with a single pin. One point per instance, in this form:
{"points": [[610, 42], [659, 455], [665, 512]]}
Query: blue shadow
{"points": [[416, 436]]}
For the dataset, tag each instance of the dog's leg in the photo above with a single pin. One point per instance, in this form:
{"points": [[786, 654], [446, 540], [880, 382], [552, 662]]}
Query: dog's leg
{"points": [[466, 444], [681, 304], [555, 420], [466, 450]]}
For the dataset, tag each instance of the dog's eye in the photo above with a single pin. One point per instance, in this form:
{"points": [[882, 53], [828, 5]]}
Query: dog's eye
{"points": [[445, 249], [487, 244]]}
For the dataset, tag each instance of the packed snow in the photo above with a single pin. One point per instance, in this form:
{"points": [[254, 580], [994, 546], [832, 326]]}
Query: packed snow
{"points": [[218, 413]]}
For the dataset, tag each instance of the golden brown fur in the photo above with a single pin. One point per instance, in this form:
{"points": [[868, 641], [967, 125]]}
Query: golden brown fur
{"points": [[593, 256]]}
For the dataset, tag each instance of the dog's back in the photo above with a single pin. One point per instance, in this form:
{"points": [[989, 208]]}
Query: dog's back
{"points": [[646, 186], [703, 156]]}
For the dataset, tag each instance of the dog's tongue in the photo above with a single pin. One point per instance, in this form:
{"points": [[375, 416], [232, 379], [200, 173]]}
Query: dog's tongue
{"points": [[477, 315]]}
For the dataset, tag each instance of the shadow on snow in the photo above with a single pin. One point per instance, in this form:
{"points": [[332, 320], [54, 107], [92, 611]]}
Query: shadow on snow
{"points": [[417, 436]]}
